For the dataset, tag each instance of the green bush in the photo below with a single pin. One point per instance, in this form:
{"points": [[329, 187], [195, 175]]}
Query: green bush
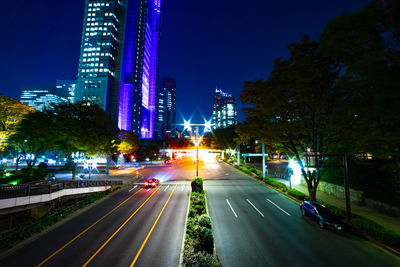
{"points": [[204, 221], [377, 231], [369, 227], [205, 239], [197, 185], [191, 227], [276, 184], [297, 194], [197, 258]]}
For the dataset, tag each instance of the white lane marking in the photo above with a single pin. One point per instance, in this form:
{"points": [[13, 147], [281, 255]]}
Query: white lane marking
{"points": [[183, 186], [148, 190], [166, 188], [132, 188], [255, 207], [234, 213], [278, 207]]}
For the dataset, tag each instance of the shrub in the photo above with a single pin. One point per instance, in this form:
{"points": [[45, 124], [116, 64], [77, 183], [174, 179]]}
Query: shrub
{"points": [[276, 184], [205, 239], [191, 227], [197, 184], [377, 231], [197, 199], [199, 258], [42, 165], [297, 194], [204, 221]]}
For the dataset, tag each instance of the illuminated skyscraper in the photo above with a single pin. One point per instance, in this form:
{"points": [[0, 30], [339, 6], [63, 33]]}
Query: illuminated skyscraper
{"points": [[166, 108], [118, 62], [224, 113]]}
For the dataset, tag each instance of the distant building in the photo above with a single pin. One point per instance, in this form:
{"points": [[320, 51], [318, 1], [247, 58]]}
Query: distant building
{"points": [[66, 89], [118, 63], [41, 97], [224, 113], [166, 108]]}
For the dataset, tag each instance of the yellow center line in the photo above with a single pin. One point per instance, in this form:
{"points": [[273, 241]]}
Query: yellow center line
{"points": [[152, 228], [87, 229], [119, 229]]}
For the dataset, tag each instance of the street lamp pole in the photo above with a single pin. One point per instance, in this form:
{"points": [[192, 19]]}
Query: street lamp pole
{"points": [[197, 159], [197, 151]]}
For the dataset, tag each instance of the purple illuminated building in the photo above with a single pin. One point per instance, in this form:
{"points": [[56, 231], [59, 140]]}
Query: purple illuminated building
{"points": [[118, 66]]}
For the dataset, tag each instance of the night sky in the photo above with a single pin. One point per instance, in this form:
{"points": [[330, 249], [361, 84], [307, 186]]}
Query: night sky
{"points": [[205, 44]]}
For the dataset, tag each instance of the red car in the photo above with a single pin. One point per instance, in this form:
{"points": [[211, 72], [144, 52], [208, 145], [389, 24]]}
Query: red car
{"points": [[151, 182]]}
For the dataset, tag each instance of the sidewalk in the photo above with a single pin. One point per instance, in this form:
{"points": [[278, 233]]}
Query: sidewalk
{"points": [[390, 222]]}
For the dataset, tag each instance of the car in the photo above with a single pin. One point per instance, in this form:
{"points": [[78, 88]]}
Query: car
{"points": [[167, 162], [320, 214], [151, 182]]}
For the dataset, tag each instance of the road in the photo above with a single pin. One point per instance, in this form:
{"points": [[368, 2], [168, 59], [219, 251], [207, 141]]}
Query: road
{"points": [[136, 226], [256, 226], [253, 225]]}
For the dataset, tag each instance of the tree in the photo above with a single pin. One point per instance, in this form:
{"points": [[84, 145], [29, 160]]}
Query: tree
{"points": [[149, 148], [296, 107], [33, 135], [129, 144], [11, 113], [367, 44], [83, 127]]}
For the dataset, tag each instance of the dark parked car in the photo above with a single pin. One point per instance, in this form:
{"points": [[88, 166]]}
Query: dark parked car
{"points": [[321, 214], [151, 182]]}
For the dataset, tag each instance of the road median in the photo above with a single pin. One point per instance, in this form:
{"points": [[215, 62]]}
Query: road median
{"points": [[199, 241]]}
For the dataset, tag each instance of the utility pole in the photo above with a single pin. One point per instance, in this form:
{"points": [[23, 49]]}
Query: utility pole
{"points": [[238, 154], [197, 151], [263, 161], [346, 188]]}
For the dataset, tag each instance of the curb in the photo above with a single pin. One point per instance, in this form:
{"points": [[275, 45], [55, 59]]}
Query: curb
{"points": [[184, 233]]}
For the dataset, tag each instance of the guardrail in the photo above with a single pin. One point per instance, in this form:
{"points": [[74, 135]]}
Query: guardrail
{"points": [[47, 187]]}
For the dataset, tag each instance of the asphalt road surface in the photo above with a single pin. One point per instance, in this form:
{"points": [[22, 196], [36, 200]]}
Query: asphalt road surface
{"points": [[256, 226], [253, 225], [136, 226]]}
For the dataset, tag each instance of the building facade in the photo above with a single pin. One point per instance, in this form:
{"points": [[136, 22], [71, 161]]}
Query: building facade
{"points": [[41, 97], [224, 112], [118, 64], [66, 89], [166, 108]]}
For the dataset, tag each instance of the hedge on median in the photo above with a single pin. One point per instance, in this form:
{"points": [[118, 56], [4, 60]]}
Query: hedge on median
{"points": [[199, 241]]}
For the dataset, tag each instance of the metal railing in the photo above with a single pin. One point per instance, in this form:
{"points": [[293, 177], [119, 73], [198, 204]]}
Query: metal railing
{"points": [[47, 187]]}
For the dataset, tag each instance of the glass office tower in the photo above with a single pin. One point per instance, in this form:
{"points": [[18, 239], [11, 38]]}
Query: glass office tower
{"points": [[118, 63], [224, 113], [166, 108]]}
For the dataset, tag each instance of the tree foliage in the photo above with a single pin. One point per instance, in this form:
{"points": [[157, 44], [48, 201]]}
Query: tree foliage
{"points": [[11, 113], [129, 142], [367, 44], [296, 107], [33, 136]]}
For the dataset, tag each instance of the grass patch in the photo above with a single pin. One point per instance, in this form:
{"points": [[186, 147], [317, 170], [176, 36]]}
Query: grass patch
{"points": [[297, 194]]}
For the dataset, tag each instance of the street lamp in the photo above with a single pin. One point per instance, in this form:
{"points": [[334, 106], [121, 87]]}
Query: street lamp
{"points": [[197, 138]]}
